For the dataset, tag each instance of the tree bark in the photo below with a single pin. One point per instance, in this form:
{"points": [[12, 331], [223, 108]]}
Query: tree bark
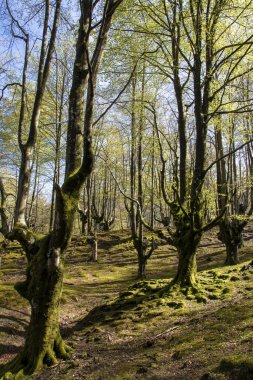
{"points": [[186, 239], [28, 147], [142, 268], [58, 118], [187, 268], [231, 235], [3, 205], [46, 255], [42, 288]]}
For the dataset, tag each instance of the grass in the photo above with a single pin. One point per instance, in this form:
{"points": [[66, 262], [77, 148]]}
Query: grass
{"points": [[124, 329]]}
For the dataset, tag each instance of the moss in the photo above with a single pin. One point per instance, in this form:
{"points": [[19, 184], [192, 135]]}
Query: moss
{"points": [[234, 278], [226, 291], [246, 278], [177, 355], [128, 294], [175, 305], [11, 297], [201, 298], [161, 302], [149, 299], [213, 296], [64, 299], [236, 362], [154, 313], [223, 276], [120, 315], [210, 288], [190, 297]]}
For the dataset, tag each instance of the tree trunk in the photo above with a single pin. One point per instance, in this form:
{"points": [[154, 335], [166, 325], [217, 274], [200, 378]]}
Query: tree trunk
{"points": [[142, 268], [232, 254], [187, 268], [23, 187], [231, 235], [45, 256], [83, 226], [42, 288], [152, 197], [89, 219], [58, 118], [29, 217], [95, 251], [186, 240], [133, 159]]}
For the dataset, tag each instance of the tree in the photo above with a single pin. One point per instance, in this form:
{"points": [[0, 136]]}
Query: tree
{"points": [[196, 48], [45, 255], [237, 214]]}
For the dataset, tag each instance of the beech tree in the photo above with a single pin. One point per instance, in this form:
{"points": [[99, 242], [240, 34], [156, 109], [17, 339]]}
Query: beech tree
{"points": [[142, 245], [200, 59], [237, 213], [45, 255]]}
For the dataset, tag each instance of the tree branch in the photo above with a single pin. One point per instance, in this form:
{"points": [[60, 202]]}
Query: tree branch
{"points": [[225, 155], [9, 85]]}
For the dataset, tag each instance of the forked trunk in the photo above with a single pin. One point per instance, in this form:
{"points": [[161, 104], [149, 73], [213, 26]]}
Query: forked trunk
{"points": [[231, 235], [42, 288], [45, 256], [187, 245]]}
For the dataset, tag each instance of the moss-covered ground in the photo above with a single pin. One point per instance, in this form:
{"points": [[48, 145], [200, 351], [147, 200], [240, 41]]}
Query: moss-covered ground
{"points": [[124, 329]]}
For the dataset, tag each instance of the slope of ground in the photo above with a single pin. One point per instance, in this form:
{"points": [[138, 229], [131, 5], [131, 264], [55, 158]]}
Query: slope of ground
{"points": [[148, 331]]}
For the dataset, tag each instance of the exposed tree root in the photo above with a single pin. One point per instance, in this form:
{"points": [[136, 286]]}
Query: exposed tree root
{"points": [[179, 287], [24, 365]]}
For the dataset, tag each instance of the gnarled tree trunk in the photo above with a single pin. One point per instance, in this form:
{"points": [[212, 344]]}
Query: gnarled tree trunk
{"points": [[186, 239], [42, 288], [45, 256], [231, 235]]}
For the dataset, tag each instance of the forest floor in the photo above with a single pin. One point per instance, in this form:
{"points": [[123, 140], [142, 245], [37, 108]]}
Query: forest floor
{"points": [[123, 329]]}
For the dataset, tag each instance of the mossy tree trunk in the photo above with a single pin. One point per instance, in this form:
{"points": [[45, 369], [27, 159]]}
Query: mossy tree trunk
{"points": [[186, 206], [186, 239], [187, 268], [45, 255], [232, 254], [200, 22], [230, 228], [84, 219], [187, 265], [142, 268], [144, 249], [42, 288], [231, 235]]}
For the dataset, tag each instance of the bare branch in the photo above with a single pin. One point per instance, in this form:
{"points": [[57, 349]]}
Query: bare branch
{"points": [[226, 155], [9, 85]]}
